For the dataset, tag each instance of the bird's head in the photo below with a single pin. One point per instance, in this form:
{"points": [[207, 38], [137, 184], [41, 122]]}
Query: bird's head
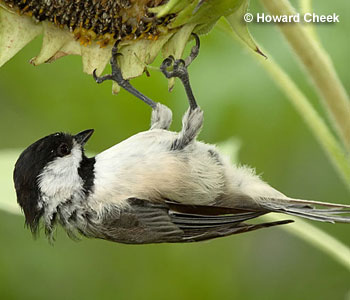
{"points": [[48, 174]]}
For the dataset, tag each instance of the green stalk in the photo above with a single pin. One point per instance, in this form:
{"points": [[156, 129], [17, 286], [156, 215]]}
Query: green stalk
{"points": [[327, 140], [306, 7], [320, 68], [309, 233], [318, 238]]}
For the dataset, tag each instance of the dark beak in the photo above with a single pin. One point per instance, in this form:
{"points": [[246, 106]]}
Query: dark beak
{"points": [[82, 137]]}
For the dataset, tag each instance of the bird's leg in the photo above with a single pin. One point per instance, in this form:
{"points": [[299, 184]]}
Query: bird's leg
{"points": [[118, 78], [161, 114], [192, 122], [193, 119], [194, 50], [161, 117], [180, 70]]}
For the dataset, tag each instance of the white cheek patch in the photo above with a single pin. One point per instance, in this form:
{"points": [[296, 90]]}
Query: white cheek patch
{"points": [[60, 180]]}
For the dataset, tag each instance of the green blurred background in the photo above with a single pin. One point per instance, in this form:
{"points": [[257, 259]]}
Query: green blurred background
{"points": [[240, 100]]}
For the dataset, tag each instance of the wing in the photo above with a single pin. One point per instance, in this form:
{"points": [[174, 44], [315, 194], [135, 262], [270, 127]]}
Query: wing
{"points": [[148, 222]]}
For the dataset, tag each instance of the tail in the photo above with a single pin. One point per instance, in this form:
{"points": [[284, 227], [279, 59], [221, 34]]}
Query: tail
{"points": [[193, 236], [330, 212]]}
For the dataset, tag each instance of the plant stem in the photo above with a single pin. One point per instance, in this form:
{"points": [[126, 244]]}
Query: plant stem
{"points": [[320, 68], [317, 237], [329, 143], [300, 228], [305, 6]]}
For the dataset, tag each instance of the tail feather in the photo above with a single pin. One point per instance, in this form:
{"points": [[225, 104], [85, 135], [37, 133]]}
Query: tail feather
{"points": [[193, 235], [306, 209], [312, 202]]}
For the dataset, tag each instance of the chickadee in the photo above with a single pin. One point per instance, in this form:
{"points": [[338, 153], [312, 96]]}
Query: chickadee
{"points": [[157, 186]]}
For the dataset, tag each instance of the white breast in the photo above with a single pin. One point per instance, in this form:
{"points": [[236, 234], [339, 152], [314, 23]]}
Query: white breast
{"points": [[60, 181], [143, 166]]}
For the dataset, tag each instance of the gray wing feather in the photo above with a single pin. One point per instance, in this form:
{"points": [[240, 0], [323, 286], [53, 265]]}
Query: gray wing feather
{"points": [[140, 223], [199, 221], [149, 222]]}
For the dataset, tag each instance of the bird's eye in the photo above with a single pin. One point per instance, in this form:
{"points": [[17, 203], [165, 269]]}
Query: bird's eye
{"points": [[63, 149]]}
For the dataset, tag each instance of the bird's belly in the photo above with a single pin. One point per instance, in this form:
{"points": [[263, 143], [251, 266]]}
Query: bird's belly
{"points": [[159, 175]]}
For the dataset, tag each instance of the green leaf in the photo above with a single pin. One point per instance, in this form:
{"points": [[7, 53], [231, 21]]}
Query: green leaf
{"points": [[239, 26], [171, 7], [231, 148], [8, 201], [207, 14]]}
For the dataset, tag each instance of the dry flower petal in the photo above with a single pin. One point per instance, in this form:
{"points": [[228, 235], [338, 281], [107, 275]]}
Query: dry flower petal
{"points": [[15, 33]]}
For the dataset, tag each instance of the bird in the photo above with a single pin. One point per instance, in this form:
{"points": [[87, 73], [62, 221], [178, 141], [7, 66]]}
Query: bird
{"points": [[157, 186]]}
